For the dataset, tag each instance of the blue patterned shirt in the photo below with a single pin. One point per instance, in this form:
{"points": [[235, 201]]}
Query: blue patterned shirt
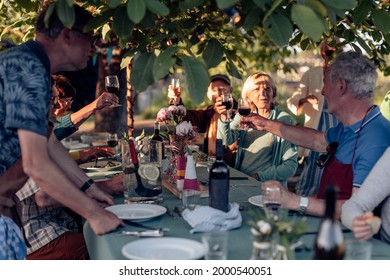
{"points": [[25, 94]]}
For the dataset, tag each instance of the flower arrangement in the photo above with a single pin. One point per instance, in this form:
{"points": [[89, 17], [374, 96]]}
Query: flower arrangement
{"points": [[264, 228], [173, 115], [179, 133]]}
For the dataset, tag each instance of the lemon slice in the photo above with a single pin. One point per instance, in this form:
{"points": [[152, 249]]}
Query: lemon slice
{"points": [[149, 172]]}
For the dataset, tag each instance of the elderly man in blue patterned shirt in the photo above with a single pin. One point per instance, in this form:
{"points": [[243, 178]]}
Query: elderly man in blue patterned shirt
{"points": [[26, 149]]}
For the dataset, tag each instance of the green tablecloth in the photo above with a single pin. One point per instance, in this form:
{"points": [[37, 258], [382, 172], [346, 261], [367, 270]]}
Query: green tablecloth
{"points": [[108, 246]]}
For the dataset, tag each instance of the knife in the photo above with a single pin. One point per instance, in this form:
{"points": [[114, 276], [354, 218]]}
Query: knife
{"points": [[135, 224]]}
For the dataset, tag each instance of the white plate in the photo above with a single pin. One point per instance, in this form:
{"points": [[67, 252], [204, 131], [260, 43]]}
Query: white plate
{"points": [[256, 200], [102, 176], [137, 212], [164, 248], [89, 166], [75, 145]]}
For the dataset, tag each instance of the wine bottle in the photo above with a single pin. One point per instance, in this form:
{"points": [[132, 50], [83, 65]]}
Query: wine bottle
{"points": [[157, 138], [219, 181], [141, 189], [329, 243]]}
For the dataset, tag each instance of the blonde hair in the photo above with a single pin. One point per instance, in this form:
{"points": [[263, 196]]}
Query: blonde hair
{"points": [[255, 77]]}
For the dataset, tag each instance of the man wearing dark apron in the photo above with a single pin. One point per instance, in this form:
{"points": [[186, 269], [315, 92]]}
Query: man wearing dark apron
{"points": [[351, 148]]}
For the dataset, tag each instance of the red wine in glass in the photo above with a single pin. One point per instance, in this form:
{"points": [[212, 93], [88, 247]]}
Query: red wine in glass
{"points": [[227, 104], [112, 143], [111, 84], [244, 111], [112, 89]]}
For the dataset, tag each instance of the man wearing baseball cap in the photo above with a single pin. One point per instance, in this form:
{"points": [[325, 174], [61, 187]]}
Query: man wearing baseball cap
{"points": [[206, 119]]}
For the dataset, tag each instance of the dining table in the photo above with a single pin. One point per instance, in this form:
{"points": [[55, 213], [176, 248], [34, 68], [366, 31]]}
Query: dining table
{"points": [[242, 188]]}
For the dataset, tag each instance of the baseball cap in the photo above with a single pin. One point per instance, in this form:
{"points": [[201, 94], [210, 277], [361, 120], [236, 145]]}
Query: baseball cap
{"points": [[221, 77]]}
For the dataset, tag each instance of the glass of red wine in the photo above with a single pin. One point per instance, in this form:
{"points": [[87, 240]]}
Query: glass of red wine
{"points": [[111, 83], [244, 109], [227, 101], [112, 141]]}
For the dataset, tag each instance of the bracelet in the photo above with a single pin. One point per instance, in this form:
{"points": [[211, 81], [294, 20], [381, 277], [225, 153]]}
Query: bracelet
{"points": [[86, 185]]}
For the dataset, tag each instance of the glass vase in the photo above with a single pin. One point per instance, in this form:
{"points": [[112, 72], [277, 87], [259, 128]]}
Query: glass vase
{"points": [[261, 250]]}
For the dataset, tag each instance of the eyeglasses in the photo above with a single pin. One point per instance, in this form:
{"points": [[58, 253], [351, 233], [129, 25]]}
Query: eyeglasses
{"points": [[323, 159]]}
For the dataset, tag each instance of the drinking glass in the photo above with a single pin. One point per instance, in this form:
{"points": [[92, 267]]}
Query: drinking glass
{"points": [[111, 84], [227, 101], [112, 141], [175, 86], [272, 197], [216, 245], [210, 161], [244, 109]]}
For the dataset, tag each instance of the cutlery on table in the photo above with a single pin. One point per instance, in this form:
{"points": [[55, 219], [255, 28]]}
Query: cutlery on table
{"points": [[143, 233], [135, 224]]}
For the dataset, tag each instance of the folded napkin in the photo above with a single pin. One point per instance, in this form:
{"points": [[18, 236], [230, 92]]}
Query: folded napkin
{"points": [[206, 218]]}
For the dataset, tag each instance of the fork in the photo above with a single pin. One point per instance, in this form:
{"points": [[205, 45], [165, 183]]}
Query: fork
{"points": [[143, 233]]}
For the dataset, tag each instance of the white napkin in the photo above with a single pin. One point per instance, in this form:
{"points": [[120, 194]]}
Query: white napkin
{"points": [[206, 218]]}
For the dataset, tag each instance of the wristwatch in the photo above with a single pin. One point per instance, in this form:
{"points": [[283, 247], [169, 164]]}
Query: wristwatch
{"points": [[303, 203]]}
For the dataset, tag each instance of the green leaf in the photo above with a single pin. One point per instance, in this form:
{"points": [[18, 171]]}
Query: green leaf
{"points": [[197, 78], [213, 53], [114, 3], [341, 4], [317, 6], [157, 7], [48, 14], [252, 19], [125, 61], [98, 20], [163, 62], [308, 21], [361, 11], [142, 72], [136, 10], [189, 4], [364, 45], [232, 69], [121, 24], [305, 43], [275, 4], [28, 5], [279, 28], [356, 48], [381, 20], [66, 13], [224, 4], [260, 3]]}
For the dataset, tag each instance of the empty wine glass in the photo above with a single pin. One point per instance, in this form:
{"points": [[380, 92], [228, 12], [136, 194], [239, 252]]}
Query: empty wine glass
{"points": [[227, 101], [111, 84], [244, 109], [112, 141]]}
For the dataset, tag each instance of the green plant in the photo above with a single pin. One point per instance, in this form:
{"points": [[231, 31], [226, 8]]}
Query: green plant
{"points": [[264, 226]]}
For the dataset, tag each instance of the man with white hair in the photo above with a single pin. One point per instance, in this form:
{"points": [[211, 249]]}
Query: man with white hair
{"points": [[353, 146]]}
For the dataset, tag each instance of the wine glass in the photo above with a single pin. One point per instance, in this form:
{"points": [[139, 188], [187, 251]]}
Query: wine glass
{"points": [[227, 101], [111, 83], [112, 141], [244, 109], [272, 197], [175, 86]]}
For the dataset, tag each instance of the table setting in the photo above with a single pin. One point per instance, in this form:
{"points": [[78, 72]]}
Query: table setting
{"points": [[175, 218]]}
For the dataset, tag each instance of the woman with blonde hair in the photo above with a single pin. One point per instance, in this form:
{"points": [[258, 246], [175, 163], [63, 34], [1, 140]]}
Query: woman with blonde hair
{"points": [[260, 154]]}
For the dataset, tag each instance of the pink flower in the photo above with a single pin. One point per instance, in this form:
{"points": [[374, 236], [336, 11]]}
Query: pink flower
{"points": [[163, 115], [173, 109], [181, 110], [185, 129]]}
